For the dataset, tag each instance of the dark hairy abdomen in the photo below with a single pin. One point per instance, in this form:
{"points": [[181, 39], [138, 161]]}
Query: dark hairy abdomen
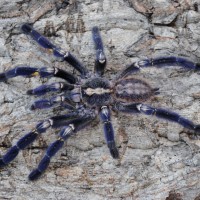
{"points": [[133, 90]]}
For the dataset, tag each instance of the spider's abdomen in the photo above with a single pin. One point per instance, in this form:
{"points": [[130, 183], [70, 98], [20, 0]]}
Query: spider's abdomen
{"points": [[133, 90], [97, 92]]}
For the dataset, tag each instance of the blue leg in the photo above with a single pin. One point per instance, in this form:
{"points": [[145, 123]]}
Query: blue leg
{"points": [[108, 131], [54, 122], [159, 62], [127, 108], [54, 87], [100, 62], [43, 72], [63, 100], [58, 52], [168, 115], [72, 127], [158, 112]]}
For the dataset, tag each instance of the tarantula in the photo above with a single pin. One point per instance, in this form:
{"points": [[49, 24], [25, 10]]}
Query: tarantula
{"points": [[88, 95]]}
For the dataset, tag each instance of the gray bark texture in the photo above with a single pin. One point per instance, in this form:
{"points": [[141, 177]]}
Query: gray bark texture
{"points": [[158, 160]]}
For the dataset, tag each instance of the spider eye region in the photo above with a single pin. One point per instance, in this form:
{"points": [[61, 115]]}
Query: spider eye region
{"points": [[133, 90], [97, 92]]}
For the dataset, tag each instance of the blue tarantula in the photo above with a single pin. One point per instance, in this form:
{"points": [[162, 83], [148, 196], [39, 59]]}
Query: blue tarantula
{"points": [[88, 95]]}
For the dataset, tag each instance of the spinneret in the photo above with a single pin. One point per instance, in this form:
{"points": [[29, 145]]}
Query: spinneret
{"points": [[87, 96]]}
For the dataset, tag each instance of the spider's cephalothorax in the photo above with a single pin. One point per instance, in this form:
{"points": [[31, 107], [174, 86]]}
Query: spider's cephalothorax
{"points": [[97, 92], [84, 97]]}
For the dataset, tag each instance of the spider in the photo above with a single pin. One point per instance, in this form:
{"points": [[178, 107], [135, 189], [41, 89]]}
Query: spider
{"points": [[87, 96]]}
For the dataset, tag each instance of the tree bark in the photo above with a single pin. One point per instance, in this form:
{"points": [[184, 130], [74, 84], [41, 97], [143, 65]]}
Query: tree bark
{"points": [[158, 159]]}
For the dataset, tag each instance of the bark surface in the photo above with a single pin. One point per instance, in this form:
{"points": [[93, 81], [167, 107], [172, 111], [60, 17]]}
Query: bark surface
{"points": [[158, 161]]}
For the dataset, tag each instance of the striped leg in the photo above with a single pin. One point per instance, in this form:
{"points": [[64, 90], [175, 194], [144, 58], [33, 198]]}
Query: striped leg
{"points": [[158, 112], [63, 100], [58, 52], [54, 122], [127, 108], [43, 72], [168, 115], [159, 62], [72, 127], [54, 87], [108, 131], [100, 62]]}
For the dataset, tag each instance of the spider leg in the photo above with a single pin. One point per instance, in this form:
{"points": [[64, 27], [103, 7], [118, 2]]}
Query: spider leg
{"points": [[159, 62], [63, 100], [41, 127], [54, 87], [127, 108], [43, 72], [72, 127], [168, 115], [158, 112], [58, 52], [108, 131], [100, 62], [67, 100]]}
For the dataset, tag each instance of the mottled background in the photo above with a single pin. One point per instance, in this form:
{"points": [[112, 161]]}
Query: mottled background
{"points": [[158, 160]]}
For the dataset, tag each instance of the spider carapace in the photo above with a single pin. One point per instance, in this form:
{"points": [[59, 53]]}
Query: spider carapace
{"points": [[88, 95]]}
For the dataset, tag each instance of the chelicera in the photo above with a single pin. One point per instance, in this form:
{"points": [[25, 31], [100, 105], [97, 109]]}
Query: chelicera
{"points": [[88, 95]]}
